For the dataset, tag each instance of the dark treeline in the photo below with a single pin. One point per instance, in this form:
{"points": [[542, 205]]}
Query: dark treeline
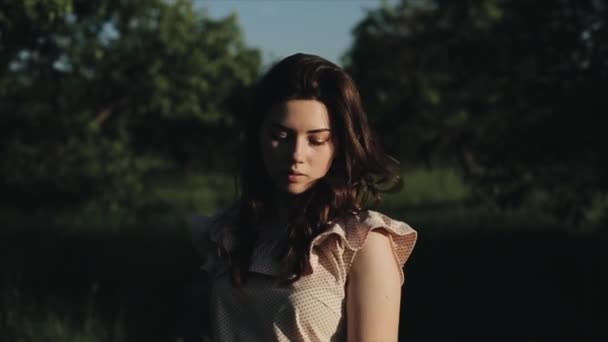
{"points": [[98, 96], [514, 92]]}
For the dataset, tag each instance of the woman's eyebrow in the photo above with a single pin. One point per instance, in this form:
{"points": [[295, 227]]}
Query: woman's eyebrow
{"points": [[317, 130]]}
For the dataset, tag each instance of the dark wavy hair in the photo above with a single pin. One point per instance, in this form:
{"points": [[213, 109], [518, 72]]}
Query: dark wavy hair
{"points": [[359, 173]]}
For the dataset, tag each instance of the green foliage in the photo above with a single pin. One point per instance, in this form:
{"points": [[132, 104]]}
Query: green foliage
{"points": [[89, 174], [511, 92], [191, 193], [428, 187], [95, 97]]}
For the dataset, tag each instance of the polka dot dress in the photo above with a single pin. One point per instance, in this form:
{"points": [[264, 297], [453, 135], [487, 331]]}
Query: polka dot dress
{"points": [[312, 308]]}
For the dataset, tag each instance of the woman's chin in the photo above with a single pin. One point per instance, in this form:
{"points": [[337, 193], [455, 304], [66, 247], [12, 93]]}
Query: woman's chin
{"points": [[296, 188]]}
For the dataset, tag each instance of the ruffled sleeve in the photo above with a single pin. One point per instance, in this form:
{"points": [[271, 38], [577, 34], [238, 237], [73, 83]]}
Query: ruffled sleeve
{"points": [[353, 232], [208, 235]]}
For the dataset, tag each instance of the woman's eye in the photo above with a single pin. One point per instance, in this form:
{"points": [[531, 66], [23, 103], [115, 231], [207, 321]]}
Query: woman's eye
{"points": [[319, 139], [317, 142]]}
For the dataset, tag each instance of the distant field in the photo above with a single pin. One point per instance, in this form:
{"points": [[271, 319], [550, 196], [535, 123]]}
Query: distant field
{"points": [[437, 200]]}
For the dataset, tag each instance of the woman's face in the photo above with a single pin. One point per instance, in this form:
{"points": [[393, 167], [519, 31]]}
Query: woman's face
{"points": [[297, 145]]}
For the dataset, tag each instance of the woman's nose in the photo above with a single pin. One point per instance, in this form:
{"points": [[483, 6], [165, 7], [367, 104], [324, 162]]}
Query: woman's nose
{"points": [[298, 151]]}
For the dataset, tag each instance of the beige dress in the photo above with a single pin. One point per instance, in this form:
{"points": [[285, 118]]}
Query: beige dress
{"points": [[312, 308]]}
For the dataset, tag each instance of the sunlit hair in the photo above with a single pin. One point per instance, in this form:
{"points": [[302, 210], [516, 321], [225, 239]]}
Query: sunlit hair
{"points": [[359, 173]]}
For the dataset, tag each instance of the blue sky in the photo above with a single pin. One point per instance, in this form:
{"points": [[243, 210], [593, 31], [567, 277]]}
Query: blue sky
{"points": [[282, 27]]}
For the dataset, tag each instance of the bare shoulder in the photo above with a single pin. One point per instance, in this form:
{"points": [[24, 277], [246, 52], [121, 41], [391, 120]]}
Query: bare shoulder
{"points": [[374, 291], [376, 257]]}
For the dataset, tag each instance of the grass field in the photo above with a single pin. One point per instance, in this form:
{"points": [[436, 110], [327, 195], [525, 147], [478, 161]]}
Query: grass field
{"points": [[477, 273]]}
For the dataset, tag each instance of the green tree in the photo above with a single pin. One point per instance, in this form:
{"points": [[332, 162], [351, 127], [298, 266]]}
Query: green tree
{"points": [[512, 91], [94, 96]]}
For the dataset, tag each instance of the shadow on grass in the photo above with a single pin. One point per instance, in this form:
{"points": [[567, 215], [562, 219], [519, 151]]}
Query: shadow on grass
{"points": [[145, 279], [520, 285], [534, 284]]}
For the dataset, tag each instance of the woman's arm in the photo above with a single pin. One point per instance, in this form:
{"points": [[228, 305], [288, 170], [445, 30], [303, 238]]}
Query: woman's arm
{"points": [[373, 292]]}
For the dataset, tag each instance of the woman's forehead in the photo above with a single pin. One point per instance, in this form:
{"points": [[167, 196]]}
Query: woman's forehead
{"points": [[300, 115]]}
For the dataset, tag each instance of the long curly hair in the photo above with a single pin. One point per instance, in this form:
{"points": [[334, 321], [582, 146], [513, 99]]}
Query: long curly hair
{"points": [[358, 174]]}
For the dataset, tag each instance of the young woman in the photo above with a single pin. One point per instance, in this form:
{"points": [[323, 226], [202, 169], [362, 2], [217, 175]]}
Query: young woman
{"points": [[299, 257]]}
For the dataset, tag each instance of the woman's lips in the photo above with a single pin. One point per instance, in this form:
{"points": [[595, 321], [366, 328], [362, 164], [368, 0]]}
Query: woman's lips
{"points": [[294, 176]]}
